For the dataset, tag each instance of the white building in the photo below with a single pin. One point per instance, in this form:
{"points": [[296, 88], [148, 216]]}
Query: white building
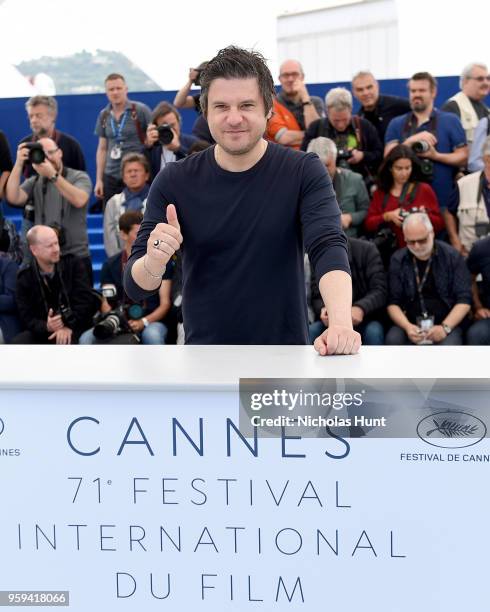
{"points": [[336, 42]]}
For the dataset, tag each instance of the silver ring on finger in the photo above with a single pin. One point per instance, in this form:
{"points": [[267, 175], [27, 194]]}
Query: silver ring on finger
{"points": [[157, 243]]}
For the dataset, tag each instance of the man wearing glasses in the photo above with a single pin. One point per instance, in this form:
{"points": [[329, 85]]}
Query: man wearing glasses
{"points": [[58, 196], [42, 112], [295, 97], [468, 104], [429, 288]]}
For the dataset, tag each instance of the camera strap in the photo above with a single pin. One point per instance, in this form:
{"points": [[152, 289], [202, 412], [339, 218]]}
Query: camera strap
{"points": [[139, 129], [409, 189], [484, 192], [43, 285], [419, 283], [118, 132], [356, 126], [44, 190], [411, 127]]}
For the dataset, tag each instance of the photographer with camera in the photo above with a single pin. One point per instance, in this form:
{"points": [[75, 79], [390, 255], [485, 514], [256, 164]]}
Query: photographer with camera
{"points": [[121, 315], [429, 288], [183, 99], [349, 187], [56, 196], [54, 298], [358, 144], [400, 192], [471, 207], [165, 143], [42, 112], [436, 137]]}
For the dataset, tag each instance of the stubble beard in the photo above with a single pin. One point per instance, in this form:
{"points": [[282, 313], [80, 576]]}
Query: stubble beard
{"points": [[243, 150]]}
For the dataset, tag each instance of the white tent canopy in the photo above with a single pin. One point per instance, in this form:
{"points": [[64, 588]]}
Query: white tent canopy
{"points": [[13, 84]]}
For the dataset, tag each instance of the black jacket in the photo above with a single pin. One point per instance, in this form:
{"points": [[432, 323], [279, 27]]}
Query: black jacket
{"points": [[369, 285], [371, 145], [387, 108], [452, 277], [33, 309]]}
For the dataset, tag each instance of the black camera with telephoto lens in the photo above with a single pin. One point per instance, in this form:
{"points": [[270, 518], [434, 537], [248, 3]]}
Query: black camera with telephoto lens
{"points": [[165, 134], [426, 165], [116, 321], [421, 146], [36, 153]]}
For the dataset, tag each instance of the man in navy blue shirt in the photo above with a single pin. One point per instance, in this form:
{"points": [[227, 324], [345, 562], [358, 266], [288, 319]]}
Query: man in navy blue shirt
{"points": [[479, 263], [438, 138], [243, 210]]}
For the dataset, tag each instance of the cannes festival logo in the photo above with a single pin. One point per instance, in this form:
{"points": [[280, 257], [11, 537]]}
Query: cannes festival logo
{"points": [[451, 429], [2, 427]]}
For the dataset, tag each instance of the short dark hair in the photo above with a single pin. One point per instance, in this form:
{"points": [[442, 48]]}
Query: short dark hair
{"points": [[162, 109], [425, 76], [385, 178], [236, 63], [113, 76], [135, 157], [128, 219]]}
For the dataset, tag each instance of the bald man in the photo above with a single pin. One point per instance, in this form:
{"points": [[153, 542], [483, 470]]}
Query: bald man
{"points": [[53, 296], [295, 97]]}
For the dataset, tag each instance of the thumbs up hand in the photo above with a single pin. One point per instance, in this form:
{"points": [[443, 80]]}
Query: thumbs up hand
{"points": [[164, 240]]}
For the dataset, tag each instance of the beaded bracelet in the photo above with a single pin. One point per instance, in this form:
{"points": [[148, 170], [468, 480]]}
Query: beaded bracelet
{"points": [[159, 276]]}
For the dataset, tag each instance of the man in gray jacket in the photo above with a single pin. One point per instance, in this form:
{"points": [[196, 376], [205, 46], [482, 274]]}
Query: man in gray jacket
{"points": [[349, 187], [56, 195]]}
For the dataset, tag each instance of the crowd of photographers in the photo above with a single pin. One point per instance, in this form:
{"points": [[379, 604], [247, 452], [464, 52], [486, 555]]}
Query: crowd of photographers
{"points": [[412, 182]]}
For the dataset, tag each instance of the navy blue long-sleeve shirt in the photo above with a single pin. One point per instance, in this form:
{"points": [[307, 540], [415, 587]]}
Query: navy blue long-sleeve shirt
{"points": [[242, 255]]}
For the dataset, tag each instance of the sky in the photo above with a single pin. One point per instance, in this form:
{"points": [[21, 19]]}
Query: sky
{"points": [[166, 38]]}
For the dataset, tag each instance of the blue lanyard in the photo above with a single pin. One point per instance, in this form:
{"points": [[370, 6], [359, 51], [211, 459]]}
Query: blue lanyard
{"points": [[118, 133]]}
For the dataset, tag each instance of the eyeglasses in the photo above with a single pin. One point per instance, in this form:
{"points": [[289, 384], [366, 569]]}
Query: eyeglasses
{"points": [[52, 151], [418, 241], [480, 79], [292, 75]]}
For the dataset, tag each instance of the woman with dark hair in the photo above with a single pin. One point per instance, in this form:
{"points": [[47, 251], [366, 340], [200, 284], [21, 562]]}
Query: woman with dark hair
{"points": [[400, 190]]}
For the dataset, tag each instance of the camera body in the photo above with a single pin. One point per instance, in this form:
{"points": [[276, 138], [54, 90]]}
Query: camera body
{"points": [[165, 134], [343, 155], [116, 321], [197, 80], [482, 229], [36, 153], [406, 212], [67, 315]]}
